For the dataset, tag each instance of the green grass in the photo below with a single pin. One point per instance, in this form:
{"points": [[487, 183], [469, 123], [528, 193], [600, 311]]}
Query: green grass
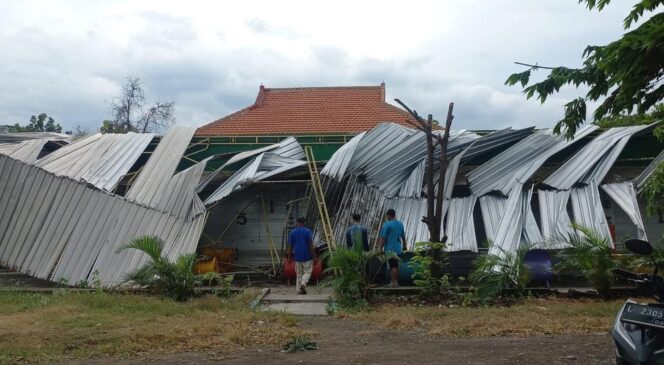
{"points": [[68, 325], [529, 318]]}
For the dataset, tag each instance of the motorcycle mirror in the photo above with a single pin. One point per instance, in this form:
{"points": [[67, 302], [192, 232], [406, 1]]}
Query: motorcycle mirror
{"points": [[639, 246]]}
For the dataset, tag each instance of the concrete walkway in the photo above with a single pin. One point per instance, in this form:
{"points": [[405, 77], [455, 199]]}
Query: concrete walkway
{"points": [[284, 299]]}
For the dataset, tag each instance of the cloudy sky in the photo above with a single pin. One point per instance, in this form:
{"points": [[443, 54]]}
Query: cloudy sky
{"points": [[68, 58]]}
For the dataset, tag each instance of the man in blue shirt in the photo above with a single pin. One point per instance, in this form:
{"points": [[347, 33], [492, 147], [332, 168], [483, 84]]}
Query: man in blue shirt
{"points": [[301, 247], [356, 234], [393, 242]]}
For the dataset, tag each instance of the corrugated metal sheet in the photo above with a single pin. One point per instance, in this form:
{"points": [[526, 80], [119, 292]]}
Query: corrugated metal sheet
{"points": [[594, 160], [24, 136], [392, 160], [155, 176], [495, 140], [509, 221], [337, 165], [460, 225], [180, 198], [624, 195], [263, 166], [26, 151], [588, 211], [53, 227], [647, 172], [556, 223], [518, 163], [288, 148], [100, 159]]}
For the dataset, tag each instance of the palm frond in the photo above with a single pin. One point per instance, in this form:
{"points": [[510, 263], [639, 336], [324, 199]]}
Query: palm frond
{"points": [[150, 245]]}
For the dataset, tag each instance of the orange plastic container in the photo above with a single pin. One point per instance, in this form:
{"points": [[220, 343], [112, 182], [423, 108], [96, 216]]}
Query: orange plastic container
{"points": [[203, 266], [225, 257]]}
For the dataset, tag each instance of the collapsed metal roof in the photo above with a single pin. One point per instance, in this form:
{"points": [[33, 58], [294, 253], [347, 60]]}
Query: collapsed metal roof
{"points": [[99, 159], [268, 162], [377, 169], [59, 221], [389, 161]]}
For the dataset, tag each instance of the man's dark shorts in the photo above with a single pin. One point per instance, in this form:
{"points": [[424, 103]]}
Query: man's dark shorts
{"points": [[393, 263]]}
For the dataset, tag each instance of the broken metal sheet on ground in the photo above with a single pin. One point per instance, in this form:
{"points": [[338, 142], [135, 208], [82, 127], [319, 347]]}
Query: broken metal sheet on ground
{"points": [[100, 159], [52, 227], [624, 194]]}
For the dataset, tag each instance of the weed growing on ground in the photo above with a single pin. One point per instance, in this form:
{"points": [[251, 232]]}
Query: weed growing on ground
{"points": [[37, 327]]}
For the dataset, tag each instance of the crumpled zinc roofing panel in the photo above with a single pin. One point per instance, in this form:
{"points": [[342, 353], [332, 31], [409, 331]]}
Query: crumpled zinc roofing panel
{"points": [[383, 138], [460, 225], [336, 166], [519, 162], [100, 159], [289, 147], [179, 197], [26, 151], [512, 216], [593, 156], [367, 201], [640, 180], [261, 167], [624, 195], [494, 140], [53, 227], [24, 136], [156, 174], [556, 223], [588, 211]]}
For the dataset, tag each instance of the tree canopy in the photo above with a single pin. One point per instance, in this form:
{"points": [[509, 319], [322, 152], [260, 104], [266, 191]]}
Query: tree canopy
{"points": [[626, 75], [39, 123], [131, 113]]}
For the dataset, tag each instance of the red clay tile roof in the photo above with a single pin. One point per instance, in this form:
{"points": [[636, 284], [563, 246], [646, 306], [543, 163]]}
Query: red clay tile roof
{"points": [[313, 110]]}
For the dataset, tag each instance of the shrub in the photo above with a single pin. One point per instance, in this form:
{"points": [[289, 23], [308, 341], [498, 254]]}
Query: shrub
{"points": [[349, 275], [173, 279], [589, 254], [429, 263], [496, 273]]}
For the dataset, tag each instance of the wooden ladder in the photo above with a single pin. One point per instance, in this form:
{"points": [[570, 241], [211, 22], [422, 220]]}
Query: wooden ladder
{"points": [[320, 197]]}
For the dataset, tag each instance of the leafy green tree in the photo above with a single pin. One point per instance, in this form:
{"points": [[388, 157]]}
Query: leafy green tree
{"points": [[626, 73], [38, 123]]}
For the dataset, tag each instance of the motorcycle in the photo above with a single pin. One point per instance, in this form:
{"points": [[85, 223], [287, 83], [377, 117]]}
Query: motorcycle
{"points": [[638, 331]]}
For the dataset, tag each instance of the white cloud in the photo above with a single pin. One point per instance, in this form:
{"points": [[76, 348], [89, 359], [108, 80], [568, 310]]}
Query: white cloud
{"points": [[66, 58]]}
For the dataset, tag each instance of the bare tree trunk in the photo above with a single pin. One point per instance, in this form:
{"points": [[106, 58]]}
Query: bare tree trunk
{"points": [[443, 163], [430, 219]]}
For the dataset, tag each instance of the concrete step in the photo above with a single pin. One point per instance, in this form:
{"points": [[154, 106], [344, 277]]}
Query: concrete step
{"points": [[284, 299], [301, 309], [294, 298]]}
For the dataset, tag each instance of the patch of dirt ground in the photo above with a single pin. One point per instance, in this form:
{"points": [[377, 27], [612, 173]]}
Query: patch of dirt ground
{"points": [[346, 341]]}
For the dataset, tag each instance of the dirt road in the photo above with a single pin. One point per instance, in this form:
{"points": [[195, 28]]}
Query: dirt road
{"points": [[344, 341]]}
